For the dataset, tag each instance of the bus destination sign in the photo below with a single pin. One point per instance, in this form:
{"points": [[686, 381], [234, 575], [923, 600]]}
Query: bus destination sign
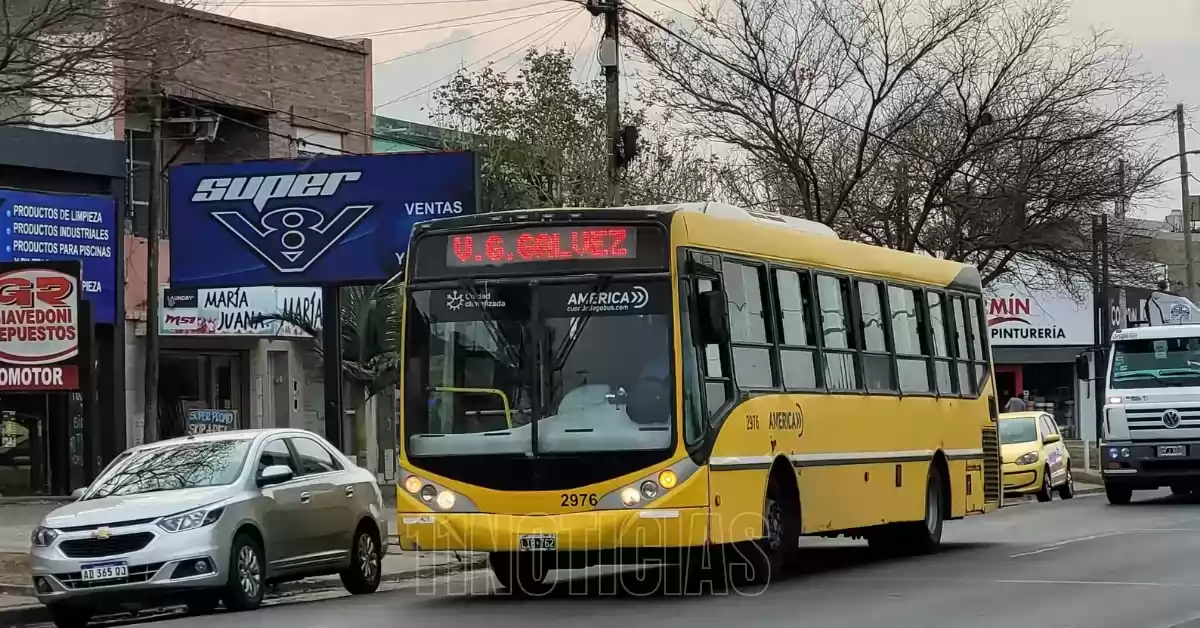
{"points": [[515, 246]]}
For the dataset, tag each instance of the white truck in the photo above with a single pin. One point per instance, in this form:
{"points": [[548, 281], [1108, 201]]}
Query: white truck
{"points": [[1150, 428]]}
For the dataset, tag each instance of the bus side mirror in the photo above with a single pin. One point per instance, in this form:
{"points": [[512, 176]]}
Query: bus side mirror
{"points": [[1082, 367], [714, 323]]}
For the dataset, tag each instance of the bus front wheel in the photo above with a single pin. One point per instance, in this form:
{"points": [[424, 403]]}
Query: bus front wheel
{"points": [[521, 574]]}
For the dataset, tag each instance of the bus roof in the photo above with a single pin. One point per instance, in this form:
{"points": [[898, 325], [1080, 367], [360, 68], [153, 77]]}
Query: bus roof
{"points": [[732, 229]]}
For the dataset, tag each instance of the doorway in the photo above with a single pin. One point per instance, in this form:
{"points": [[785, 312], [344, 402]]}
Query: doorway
{"points": [[1010, 381], [190, 380]]}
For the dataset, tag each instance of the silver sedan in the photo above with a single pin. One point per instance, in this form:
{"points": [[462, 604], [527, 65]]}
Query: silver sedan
{"points": [[209, 519]]}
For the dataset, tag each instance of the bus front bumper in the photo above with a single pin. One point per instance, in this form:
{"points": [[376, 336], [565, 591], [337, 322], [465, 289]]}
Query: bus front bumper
{"points": [[572, 532]]}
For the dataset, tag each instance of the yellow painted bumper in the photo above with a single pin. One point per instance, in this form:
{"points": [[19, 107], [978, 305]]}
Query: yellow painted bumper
{"points": [[580, 531]]}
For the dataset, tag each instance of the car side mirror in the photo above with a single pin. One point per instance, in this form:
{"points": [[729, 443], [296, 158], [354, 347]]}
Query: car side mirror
{"points": [[274, 474], [77, 494], [712, 319], [1050, 439]]}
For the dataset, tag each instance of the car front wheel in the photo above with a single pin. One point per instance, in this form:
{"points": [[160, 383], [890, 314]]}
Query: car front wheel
{"points": [[245, 587], [366, 564]]}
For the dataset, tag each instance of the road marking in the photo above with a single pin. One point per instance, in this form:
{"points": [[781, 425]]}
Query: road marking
{"points": [[1061, 544], [1184, 585]]}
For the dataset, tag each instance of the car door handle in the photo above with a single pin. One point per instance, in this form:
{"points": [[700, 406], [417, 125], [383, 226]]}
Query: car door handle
{"points": [[349, 491], [305, 498]]}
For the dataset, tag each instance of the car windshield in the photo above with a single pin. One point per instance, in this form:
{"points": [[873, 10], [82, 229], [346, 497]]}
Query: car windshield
{"points": [[593, 368], [1014, 431], [1156, 363], [172, 467]]}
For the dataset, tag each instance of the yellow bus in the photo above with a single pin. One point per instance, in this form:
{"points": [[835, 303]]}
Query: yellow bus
{"points": [[600, 386]]}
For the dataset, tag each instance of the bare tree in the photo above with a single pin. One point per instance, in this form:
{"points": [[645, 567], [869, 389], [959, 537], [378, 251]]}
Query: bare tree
{"points": [[70, 63], [973, 130], [542, 138]]}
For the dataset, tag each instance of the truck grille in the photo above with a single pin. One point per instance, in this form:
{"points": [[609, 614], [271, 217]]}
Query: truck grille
{"points": [[112, 546], [991, 465], [1145, 419]]}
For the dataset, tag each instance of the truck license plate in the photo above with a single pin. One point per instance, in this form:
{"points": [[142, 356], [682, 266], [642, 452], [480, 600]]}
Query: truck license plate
{"points": [[104, 571], [538, 542], [1165, 451]]}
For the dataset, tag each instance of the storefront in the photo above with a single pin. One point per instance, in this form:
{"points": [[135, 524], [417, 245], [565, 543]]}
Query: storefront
{"points": [[1035, 338], [59, 195]]}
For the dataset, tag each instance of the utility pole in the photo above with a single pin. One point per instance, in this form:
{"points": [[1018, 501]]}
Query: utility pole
{"points": [[1121, 207], [610, 58], [150, 422], [1189, 272]]}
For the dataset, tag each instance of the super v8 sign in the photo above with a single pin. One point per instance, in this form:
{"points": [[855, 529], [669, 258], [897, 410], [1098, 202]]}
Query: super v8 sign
{"points": [[39, 326], [309, 222]]}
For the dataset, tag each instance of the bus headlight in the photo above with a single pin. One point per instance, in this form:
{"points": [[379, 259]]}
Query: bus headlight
{"points": [[667, 479], [649, 489], [428, 493], [445, 500], [630, 496], [412, 484]]}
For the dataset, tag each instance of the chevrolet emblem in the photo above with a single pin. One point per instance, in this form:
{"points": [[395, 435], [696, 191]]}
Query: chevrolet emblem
{"points": [[101, 533]]}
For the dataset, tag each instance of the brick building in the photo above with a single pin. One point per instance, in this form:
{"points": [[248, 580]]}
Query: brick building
{"points": [[250, 92]]}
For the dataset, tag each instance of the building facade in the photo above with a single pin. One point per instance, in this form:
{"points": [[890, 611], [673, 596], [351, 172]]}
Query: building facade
{"points": [[60, 194], [255, 92]]}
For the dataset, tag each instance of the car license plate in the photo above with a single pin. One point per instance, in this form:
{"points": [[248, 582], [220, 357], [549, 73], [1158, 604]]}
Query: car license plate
{"points": [[539, 542], [1171, 450], [104, 571]]}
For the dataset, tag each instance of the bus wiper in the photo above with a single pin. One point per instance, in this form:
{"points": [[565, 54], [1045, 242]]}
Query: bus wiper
{"points": [[489, 322], [560, 359]]}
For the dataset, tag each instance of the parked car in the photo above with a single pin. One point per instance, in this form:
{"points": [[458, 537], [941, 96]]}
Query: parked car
{"points": [[1035, 458], [210, 519]]}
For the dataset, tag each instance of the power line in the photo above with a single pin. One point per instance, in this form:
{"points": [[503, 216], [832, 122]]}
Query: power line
{"points": [[453, 22], [426, 87], [294, 4], [512, 21]]}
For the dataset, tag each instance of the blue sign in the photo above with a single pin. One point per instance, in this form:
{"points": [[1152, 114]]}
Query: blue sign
{"points": [[309, 222], [207, 421], [55, 227]]}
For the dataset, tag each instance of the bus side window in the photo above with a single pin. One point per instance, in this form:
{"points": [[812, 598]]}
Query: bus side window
{"points": [[693, 387], [962, 346], [718, 385]]}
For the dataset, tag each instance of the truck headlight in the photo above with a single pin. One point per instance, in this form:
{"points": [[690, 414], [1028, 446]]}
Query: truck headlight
{"points": [[1028, 458]]}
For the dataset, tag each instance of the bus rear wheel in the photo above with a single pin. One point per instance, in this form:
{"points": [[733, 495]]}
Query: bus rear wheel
{"points": [[521, 574], [917, 537]]}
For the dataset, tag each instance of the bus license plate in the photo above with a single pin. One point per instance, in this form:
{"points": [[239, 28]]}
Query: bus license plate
{"points": [[104, 571], [538, 542], [1171, 450]]}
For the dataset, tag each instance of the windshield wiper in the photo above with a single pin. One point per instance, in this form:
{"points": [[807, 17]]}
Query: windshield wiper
{"points": [[489, 323], [560, 358]]}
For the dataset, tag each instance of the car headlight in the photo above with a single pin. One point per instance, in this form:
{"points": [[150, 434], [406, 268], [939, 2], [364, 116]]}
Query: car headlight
{"points": [[43, 537], [1028, 458], [191, 520]]}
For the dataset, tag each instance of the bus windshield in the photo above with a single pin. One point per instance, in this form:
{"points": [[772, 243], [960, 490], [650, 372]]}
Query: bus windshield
{"points": [[591, 365], [1156, 363]]}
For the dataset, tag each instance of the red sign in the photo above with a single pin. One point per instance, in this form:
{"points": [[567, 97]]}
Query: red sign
{"points": [[39, 377], [494, 248], [39, 329]]}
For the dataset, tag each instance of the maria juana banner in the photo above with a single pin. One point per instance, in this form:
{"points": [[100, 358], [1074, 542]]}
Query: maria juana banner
{"points": [[39, 325]]}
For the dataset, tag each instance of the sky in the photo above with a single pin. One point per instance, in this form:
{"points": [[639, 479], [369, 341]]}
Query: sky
{"points": [[418, 44]]}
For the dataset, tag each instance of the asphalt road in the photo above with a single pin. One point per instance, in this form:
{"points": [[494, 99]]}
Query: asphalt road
{"points": [[1060, 565]]}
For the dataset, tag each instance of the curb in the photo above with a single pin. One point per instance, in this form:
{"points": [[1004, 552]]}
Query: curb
{"points": [[37, 613], [35, 500]]}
